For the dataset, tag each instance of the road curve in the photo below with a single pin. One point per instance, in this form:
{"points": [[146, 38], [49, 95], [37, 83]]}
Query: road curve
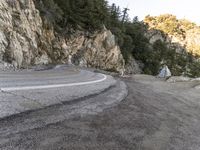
{"points": [[34, 87], [155, 115], [29, 90]]}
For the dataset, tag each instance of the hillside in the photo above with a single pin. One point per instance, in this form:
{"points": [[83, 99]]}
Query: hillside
{"points": [[29, 36], [178, 32], [91, 33], [178, 41]]}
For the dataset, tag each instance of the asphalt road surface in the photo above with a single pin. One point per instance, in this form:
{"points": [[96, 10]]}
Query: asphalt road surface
{"points": [[154, 116], [27, 90]]}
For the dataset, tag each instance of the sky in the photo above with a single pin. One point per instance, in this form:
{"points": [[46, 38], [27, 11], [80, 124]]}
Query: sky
{"points": [[187, 9]]}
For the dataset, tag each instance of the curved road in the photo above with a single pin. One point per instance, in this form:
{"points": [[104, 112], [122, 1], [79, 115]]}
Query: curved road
{"points": [[29, 90], [155, 115]]}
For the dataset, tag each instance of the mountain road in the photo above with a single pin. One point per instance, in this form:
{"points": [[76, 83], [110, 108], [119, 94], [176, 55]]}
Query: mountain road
{"points": [[155, 115]]}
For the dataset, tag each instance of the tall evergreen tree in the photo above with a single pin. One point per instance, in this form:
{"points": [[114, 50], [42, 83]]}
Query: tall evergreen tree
{"points": [[125, 15]]}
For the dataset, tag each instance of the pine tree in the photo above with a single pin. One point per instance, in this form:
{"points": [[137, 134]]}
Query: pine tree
{"points": [[125, 17]]}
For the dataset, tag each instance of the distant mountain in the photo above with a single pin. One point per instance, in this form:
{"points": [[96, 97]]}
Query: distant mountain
{"points": [[182, 34]]}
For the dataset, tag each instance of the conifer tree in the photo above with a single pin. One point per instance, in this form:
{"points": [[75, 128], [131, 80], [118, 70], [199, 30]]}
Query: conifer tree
{"points": [[125, 15]]}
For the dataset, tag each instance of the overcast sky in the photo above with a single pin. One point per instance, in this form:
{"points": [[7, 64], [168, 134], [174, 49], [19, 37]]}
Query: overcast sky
{"points": [[188, 9]]}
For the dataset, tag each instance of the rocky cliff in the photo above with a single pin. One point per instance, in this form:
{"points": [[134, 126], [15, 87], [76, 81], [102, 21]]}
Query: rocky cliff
{"points": [[25, 41], [182, 35]]}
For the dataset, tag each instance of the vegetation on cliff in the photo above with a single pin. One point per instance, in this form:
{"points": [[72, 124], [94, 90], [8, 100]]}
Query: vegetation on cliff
{"points": [[130, 34], [93, 15], [182, 37], [186, 32]]}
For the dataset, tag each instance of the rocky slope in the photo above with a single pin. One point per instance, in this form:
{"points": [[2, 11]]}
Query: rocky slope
{"points": [[24, 41], [182, 35]]}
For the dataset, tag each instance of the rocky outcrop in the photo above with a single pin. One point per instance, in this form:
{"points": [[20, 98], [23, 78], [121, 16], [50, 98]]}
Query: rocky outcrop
{"points": [[154, 35], [133, 66], [20, 32], [172, 41], [192, 40], [98, 50], [182, 35], [25, 41]]}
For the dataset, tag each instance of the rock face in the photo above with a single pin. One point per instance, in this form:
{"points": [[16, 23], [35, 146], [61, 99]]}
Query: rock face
{"points": [[25, 41], [99, 50], [182, 35], [172, 41], [192, 40], [133, 66], [20, 32]]}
